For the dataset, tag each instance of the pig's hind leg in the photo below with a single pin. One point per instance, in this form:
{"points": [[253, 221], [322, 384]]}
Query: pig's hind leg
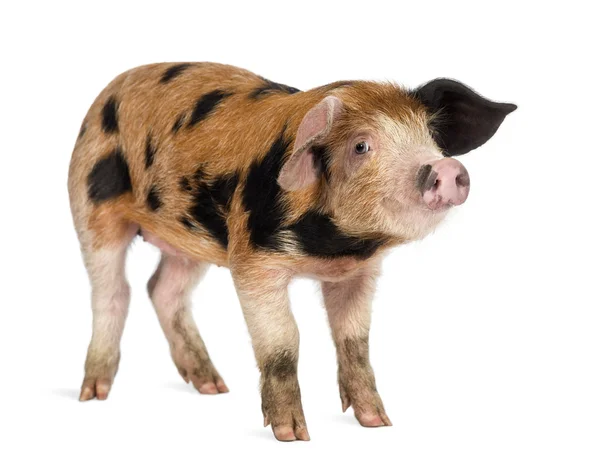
{"points": [[105, 263], [170, 289], [348, 305]]}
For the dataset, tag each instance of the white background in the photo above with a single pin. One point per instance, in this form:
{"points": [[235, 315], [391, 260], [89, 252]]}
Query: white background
{"points": [[485, 338]]}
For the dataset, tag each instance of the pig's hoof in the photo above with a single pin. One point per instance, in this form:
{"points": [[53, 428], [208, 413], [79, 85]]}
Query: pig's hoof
{"points": [[373, 420], [368, 408], [205, 379], [291, 433], [290, 427], [288, 433], [95, 388]]}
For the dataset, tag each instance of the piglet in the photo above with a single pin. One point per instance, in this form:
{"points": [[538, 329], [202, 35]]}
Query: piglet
{"points": [[216, 165]]}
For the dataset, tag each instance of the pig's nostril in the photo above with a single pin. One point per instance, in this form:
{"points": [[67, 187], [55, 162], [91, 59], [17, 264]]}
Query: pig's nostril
{"points": [[462, 180]]}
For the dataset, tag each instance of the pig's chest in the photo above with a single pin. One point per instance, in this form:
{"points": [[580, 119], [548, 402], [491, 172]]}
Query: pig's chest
{"points": [[329, 270], [316, 236], [317, 248]]}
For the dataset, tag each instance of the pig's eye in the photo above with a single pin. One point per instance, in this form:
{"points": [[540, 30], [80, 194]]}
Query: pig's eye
{"points": [[361, 148]]}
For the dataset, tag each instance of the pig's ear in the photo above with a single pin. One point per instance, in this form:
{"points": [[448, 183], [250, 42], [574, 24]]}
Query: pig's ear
{"points": [[464, 120], [302, 169]]}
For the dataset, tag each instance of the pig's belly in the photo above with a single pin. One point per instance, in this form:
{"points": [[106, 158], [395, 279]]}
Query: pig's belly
{"points": [[196, 247], [190, 246]]}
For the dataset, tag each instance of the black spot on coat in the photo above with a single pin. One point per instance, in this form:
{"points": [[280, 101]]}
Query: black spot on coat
{"points": [[184, 184], [211, 200], [153, 199], [178, 123], [110, 118], [206, 104], [262, 195], [173, 72], [223, 187], [270, 87], [318, 236], [186, 222], [199, 175], [150, 151], [109, 177]]}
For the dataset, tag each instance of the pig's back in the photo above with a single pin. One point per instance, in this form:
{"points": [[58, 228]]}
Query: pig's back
{"points": [[188, 112], [182, 136]]}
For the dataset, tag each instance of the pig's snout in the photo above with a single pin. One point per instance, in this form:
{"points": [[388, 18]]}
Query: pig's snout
{"points": [[443, 183]]}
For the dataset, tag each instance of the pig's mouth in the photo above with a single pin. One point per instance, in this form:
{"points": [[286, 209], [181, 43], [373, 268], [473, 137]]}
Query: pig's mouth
{"points": [[412, 219], [437, 204], [416, 205]]}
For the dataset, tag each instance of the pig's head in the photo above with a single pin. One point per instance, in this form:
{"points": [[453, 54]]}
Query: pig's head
{"points": [[383, 156]]}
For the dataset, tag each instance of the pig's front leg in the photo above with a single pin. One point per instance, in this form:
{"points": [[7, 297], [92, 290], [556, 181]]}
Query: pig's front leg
{"points": [[264, 299], [348, 305]]}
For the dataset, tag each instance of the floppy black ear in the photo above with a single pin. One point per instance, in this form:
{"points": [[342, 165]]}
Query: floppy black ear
{"points": [[465, 120]]}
